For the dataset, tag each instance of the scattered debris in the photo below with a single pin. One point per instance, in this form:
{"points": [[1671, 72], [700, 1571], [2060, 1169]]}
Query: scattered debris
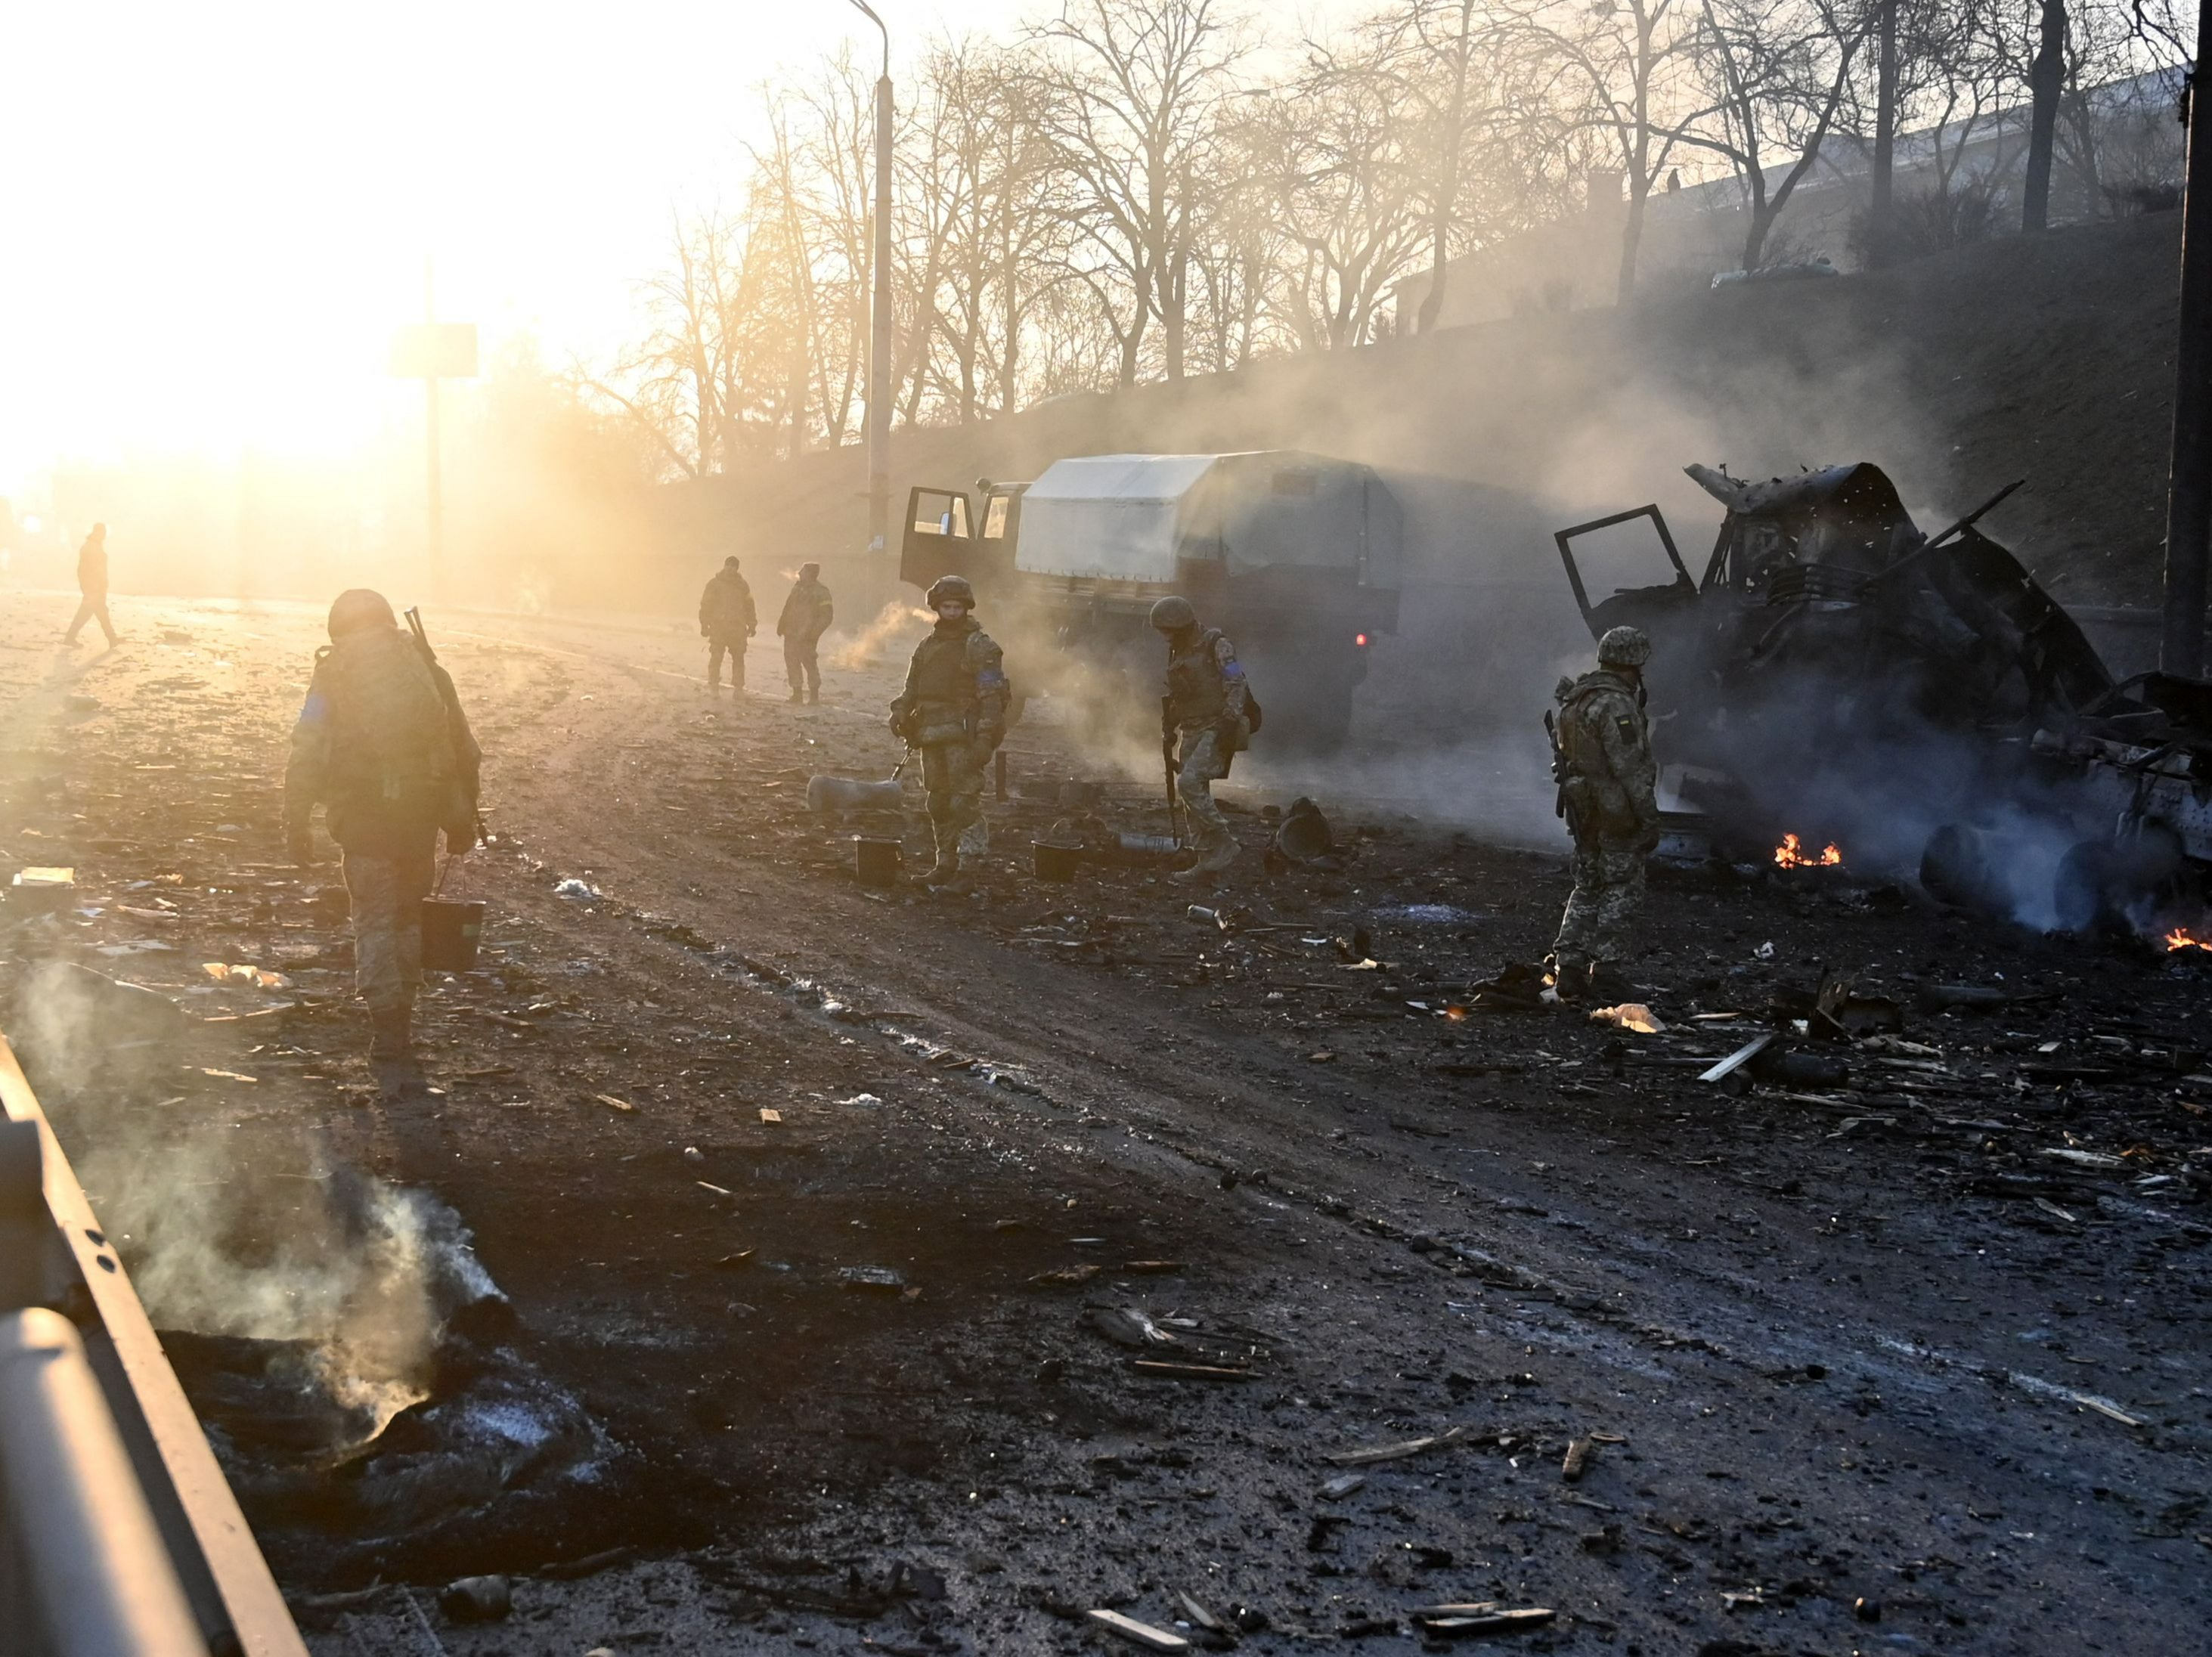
{"points": [[1068, 1277], [1742, 1056], [582, 890], [1579, 1451], [1343, 1484], [1142, 1634], [477, 1600], [871, 1279], [769, 1114], [1187, 1371], [1304, 835], [1629, 1015], [1125, 1327], [1485, 1617], [1398, 1452], [612, 1104]]}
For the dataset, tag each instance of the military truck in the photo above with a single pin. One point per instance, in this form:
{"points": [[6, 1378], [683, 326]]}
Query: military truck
{"points": [[1295, 557]]}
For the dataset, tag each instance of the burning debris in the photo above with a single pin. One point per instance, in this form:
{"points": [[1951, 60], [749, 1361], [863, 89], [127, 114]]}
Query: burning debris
{"points": [[1792, 854]]}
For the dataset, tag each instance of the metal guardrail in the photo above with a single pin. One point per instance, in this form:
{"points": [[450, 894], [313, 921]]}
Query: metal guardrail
{"points": [[86, 1574], [119, 1535]]}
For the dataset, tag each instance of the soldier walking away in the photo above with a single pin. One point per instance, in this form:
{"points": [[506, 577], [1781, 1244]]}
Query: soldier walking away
{"points": [[92, 584], [726, 620], [1602, 745], [954, 710], [1210, 707], [806, 617], [382, 743]]}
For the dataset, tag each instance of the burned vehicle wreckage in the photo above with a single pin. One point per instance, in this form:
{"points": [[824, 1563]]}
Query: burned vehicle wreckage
{"points": [[1839, 676]]}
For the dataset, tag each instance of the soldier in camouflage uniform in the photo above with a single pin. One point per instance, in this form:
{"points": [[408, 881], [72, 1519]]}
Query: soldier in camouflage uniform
{"points": [[382, 743], [1607, 793], [954, 710], [1206, 706]]}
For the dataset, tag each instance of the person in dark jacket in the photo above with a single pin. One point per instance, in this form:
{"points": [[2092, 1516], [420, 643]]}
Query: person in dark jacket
{"points": [[92, 584], [382, 744], [726, 620], [806, 617]]}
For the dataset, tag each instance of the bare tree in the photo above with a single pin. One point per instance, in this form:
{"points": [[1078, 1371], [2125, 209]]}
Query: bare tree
{"points": [[1622, 70], [1779, 72], [1132, 88], [1331, 158]]}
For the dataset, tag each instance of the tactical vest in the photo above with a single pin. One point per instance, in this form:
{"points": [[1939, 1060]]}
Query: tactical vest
{"points": [[942, 691], [1196, 691], [392, 749]]}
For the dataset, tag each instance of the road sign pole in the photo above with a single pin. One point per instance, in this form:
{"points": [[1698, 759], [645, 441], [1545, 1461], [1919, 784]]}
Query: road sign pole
{"points": [[434, 498]]}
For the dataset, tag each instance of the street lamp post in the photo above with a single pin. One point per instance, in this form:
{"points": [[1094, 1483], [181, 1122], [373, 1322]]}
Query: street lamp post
{"points": [[879, 321]]}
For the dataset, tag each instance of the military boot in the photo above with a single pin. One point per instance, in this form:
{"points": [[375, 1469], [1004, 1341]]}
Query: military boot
{"points": [[946, 868], [1212, 861], [796, 696], [392, 1053]]}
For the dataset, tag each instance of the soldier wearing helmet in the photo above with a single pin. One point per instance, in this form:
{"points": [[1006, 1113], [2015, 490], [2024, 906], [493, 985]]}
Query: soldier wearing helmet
{"points": [[1207, 705], [382, 745], [954, 710], [1608, 796]]}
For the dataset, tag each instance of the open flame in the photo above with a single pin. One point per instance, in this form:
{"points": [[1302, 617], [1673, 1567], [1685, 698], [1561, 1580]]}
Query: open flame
{"points": [[1792, 854], [2182, 938]]}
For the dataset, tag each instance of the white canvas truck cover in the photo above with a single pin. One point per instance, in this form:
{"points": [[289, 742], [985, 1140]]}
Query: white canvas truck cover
{"points": [[1110, 516]]}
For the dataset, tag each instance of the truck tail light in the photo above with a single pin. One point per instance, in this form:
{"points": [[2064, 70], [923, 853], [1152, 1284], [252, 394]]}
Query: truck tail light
{"points": [[1360, 639]]}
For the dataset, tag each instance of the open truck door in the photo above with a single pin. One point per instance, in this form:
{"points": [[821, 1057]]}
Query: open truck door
{"points": [[944, 535], [1633, 606], [938, 538]]}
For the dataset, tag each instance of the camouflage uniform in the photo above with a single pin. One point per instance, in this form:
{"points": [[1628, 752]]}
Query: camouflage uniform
{"points": [[954, 710], [806, 617], [381, 742], [1608, 796], [726, 620], [1205, 706]]}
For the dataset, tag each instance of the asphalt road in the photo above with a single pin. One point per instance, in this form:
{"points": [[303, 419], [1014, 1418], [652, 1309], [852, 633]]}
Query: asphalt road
{"points": [[1907, 1360]]}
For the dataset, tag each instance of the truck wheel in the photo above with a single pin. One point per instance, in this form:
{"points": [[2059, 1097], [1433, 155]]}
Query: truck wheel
{"points": [[1955, 869]]}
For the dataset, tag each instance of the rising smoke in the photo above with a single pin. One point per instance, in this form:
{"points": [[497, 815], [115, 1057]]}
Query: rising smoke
{"points": [[359, 1275]]}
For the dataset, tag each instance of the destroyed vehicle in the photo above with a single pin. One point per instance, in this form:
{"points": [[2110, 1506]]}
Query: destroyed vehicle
{"points": [[1918, 700], [1294, 556]]}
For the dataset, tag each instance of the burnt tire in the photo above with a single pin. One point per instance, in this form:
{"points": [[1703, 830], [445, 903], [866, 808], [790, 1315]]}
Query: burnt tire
{"points": [[2079, 894]]}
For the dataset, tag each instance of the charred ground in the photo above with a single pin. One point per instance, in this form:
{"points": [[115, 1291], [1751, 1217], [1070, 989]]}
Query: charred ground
{"points": [[1930, 1337]]}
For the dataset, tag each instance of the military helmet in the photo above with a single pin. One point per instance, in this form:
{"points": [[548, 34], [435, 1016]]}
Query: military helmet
{"points": [[1624, 647], [1173, 614], [359, 608], [951, 589]]}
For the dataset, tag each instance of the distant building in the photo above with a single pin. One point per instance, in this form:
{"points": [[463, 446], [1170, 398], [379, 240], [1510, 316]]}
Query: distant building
{"points": [[2120, 150]]}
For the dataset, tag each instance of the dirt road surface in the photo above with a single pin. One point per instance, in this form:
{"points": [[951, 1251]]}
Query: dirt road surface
{"points": [[884, 1271]]}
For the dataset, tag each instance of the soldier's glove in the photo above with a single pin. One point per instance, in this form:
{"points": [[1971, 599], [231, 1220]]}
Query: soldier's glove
{"points": [[897, 723], [300, 845]]}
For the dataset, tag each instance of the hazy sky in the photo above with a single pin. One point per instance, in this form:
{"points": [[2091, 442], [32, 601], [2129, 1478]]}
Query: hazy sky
{"points": [[212, 215]]}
